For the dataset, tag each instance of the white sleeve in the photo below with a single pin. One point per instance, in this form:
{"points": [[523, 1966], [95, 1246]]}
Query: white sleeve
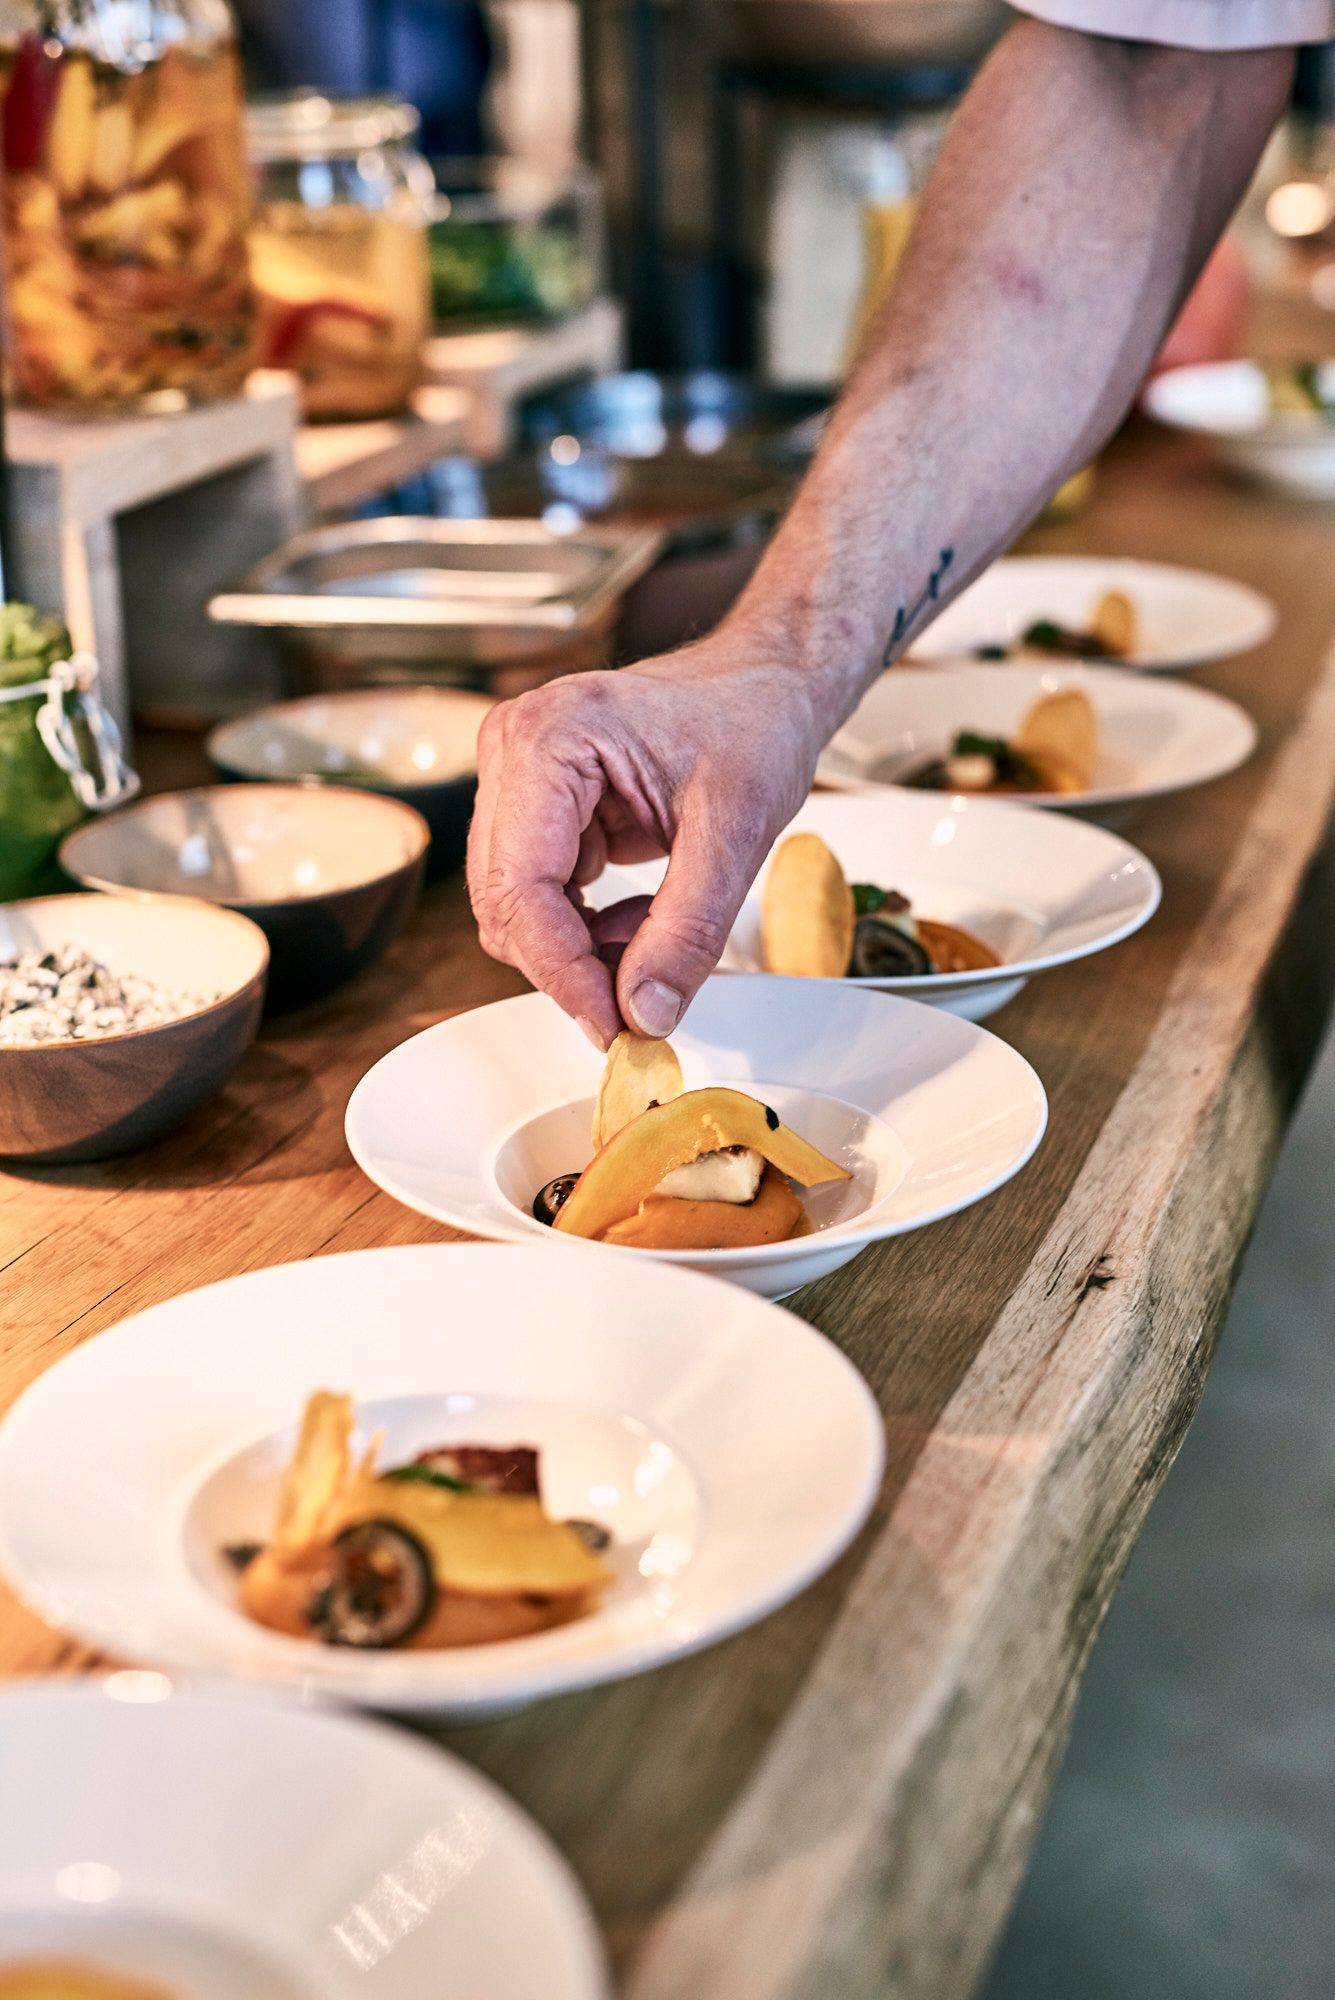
{"points": [[1194, 24]]}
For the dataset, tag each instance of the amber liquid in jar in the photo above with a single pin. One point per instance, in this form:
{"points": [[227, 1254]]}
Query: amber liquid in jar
{"points": [[343, 297], [127, 200]]}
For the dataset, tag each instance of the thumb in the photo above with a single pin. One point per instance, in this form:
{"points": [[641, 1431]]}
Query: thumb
{"points": [[683, 936]]}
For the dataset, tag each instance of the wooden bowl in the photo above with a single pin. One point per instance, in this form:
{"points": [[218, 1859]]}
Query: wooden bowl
{"points": [[70, 1101], [331, 876], [414, 744]]}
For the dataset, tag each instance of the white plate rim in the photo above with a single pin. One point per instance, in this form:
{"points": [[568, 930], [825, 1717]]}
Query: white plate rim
{"points": [[201, 1694], [1241, 725], [433, 1688], [1128, 573], [850, 1234], [923, 985]]}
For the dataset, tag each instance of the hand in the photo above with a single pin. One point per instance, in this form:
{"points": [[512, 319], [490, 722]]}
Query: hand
{"points": [[703, 755]]}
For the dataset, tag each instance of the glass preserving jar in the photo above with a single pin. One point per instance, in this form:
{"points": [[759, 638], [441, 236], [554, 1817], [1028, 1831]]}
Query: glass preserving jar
{"points": [[126, 203], [338, 248]]}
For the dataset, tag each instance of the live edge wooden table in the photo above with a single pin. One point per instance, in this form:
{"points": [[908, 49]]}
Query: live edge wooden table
{"points": [[837, 1805]]}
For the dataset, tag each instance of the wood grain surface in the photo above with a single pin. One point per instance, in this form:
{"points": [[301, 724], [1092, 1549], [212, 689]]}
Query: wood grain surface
{"points": [[837, 1805]]}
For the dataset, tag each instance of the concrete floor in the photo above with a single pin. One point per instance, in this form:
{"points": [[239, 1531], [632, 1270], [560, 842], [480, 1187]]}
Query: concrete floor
{"points": [[1189, 1853]]}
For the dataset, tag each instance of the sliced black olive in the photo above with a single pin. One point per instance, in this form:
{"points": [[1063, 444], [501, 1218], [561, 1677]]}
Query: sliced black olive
{"points": [[883, 951], [771, 1119], [381, 1588], [592, 1533], [549, 1201], [990, 653]]}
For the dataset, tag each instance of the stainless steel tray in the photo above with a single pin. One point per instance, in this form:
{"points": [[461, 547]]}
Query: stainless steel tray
{"points": [[488, 577]]}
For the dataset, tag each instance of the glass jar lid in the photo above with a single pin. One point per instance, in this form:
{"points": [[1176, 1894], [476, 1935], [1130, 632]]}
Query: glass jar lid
{"points": [[307, 125]]}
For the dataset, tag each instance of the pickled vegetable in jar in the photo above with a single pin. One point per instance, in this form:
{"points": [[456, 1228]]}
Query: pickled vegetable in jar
{"points": [[338, 249], [126, 203]]}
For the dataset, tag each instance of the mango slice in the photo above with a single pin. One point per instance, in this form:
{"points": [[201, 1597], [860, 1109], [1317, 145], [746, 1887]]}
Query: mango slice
{"points": [[663, 1222], [806, 912], [1060, 736], [491, 1544], [631, 1165], [639, 1072], [1115, 624]]}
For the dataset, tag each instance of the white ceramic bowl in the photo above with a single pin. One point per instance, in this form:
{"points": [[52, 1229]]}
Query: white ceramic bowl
{"points": [[1228, 402], [416, 744], [468, 1120], [330, 876], [1187, 616], [732, 1451], [1155, 735], [234, 1847], [64, 1102], [1041, 891]]}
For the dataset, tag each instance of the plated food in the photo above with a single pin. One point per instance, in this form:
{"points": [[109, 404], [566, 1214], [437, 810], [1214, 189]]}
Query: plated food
{"points": [[50, 1978], [1054, 748], [815, 924], [674, 1169], [1011, 890], [886, 1116], [1275, 424], [1127, 737], [452, 1547], [158, 1881], [1151, 616], [725, 1450]]}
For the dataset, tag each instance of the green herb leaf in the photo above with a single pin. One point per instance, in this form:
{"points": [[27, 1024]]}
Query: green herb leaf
{"points": [[426, 1475], [969, 743], [867, 898]]}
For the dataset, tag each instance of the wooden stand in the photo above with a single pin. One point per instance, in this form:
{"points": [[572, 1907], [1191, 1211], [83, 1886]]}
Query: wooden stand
{"points": [[503, 364], [344, 464], [126, 526]]}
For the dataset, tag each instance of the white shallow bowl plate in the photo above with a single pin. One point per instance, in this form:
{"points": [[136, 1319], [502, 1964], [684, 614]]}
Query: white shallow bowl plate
{"points": [[1040, 891], [1229, 403], [401, 737], [1187, 616], [234, 1847], [468, 1120], [1155, 736], [731, 1450]]}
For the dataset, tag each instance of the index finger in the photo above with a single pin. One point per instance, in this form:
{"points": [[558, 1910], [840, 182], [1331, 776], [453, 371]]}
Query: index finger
{"points": [[540, 807]]}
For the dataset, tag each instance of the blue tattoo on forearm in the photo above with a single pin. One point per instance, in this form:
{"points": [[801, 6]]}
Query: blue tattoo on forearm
{"points": [[909, 614]]}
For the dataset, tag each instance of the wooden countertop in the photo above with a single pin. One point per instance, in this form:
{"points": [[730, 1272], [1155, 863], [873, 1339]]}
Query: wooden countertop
{"points": [[837, 1805]]}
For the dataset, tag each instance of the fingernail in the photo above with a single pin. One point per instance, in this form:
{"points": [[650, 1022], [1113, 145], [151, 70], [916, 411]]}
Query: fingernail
{"points": [[655, 1008], [594, 1033]]}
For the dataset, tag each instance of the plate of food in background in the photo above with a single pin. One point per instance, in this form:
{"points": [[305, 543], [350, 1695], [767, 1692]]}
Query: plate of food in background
{"points": [[790, 1124], [1078, 738], [441, 1478], [1146, 615], [953, 901], [1273, 423], [172, 1843]]}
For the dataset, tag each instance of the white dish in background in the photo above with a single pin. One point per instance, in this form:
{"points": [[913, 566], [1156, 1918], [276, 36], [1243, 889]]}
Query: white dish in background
{"points": [[467, 1121], [1040, 891], [1186, 616], [1155, 735], [237, 1848], [732, 1451], [1228, 402]]}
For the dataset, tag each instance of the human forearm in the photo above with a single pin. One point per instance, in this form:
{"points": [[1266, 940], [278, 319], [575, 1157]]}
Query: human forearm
{"points": [[1082, 186]]}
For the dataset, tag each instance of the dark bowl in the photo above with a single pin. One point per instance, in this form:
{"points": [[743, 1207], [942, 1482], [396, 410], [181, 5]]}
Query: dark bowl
{"points": [[331, 876], [414, 744], [63, 1102]]}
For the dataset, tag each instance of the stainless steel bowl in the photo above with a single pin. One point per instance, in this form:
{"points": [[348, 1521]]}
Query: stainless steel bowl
{"points": [[488, 604]]}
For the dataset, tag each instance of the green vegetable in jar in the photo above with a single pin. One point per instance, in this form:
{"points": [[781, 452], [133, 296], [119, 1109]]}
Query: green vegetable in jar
{"points": [[37, 802]]}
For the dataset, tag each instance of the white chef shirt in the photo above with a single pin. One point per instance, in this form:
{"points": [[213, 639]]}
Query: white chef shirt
{"points": [[1194, 24]]}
